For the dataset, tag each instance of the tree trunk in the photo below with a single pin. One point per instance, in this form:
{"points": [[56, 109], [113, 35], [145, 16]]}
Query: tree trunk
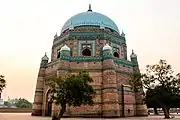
{"points": [[165, 109], [166, 112], [62, 111], [156, 111]]}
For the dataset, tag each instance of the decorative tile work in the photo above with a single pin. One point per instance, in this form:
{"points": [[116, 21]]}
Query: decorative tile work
{"points": [[111, 100], [92, 42], [74, 50], [90, 36]]}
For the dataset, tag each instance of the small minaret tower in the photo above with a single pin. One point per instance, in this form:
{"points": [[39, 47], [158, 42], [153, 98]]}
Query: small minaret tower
{"points": [[122, 34], [38, 99], [141, 108], [55, 36], [133, 57], [63, 69]]}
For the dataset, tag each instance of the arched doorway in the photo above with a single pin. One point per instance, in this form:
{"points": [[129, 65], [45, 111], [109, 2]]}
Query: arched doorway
{"points": [[86, 52], [116, 55], [48, 103]]}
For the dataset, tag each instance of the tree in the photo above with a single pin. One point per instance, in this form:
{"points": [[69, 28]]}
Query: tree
{"points": [[162, 86], [2, 83], [22, 103], [151, 103], [156, 111], [19, 103], [6, 103], [135, 81], [73, 90]]}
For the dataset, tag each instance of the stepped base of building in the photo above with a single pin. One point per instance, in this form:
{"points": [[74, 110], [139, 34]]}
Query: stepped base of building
{"points": [[108, 114], [97, 116], [36, 113], [142, 113]]}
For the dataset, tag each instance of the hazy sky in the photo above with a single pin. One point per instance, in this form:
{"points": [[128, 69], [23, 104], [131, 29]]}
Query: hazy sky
{"points": [[27, 28]]}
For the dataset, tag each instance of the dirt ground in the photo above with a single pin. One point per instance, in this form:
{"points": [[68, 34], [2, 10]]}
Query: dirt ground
{"points": [[27, 116]]}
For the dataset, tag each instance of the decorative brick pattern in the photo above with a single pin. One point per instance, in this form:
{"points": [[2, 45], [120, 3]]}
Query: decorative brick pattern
{"points": [[108, 74]]}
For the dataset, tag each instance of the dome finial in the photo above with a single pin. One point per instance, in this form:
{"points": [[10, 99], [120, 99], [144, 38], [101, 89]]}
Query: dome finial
{"points": [[90, 8]]}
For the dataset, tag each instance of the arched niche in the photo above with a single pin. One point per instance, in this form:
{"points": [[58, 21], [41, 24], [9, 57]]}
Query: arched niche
{"points": [[116, 55], [86, 52], [48, 109]]}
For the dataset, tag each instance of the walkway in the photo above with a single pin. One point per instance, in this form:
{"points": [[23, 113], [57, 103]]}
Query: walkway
{"points": [[27, 116]]}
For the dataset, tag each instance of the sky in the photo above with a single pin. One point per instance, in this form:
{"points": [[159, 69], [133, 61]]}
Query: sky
{"points": [[27, 28]]}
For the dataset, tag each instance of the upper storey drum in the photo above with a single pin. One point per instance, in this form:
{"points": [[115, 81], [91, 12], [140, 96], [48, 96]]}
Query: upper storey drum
{"points": [[87, 33]]}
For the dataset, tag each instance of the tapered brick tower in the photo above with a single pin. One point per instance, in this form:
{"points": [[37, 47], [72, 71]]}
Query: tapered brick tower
{"points": [[38, 97], [141, 108], [110, 96]]}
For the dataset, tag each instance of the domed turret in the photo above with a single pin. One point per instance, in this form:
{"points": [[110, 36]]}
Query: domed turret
{"points": [[133, 57], [65, 48], [45, 58], [107, 47], [107, 51], [65, 51], [44, 61]]}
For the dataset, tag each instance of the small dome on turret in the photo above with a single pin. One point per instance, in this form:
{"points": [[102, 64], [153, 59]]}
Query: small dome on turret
{"points": [[107, 47], [133, 55], [66, 48], [45, 57]]}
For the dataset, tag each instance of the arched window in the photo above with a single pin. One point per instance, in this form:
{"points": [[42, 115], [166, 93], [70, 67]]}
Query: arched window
{"points": [[116, 55], [86, 52], [58, 53]]}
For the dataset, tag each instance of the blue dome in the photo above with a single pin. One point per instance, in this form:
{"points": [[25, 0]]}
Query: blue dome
{"points": [[90, 18]]}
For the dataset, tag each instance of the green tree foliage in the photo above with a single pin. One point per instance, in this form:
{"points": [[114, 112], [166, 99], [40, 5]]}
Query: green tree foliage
{"points": [[19, 103], [2, 83], [6, 103], [135, 81], [73, 90], [22, 103], [162, 86]]}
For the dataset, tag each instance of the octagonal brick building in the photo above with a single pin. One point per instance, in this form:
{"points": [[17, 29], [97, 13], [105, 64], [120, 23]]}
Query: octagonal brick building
{"points": [[91, 41]]}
